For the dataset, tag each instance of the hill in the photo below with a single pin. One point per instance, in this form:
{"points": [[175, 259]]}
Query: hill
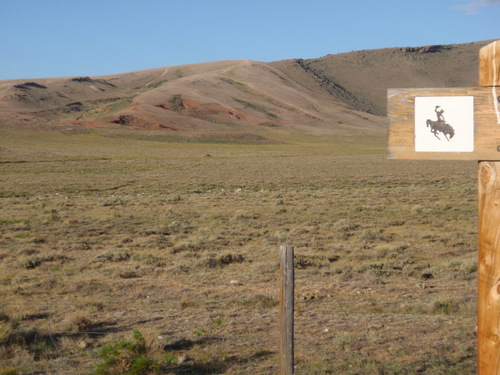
{"points": [[243, 99]]}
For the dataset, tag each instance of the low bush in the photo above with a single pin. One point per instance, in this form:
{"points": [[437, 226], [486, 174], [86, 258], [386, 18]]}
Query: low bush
{"points": [[129, 357]]}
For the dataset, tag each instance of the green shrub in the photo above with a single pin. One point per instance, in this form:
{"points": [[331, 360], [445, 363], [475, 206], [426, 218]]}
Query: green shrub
{"points": [[445, 307], [224, 260], [31, 263], [129, 357], [171, 359], [114, 256], [176, 101]]}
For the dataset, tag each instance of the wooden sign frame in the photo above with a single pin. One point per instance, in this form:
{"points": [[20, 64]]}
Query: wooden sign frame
{"points": [[406, 123]]}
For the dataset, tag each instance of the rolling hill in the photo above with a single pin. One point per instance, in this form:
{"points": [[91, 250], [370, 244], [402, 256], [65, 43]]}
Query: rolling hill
{"points": [[336, 94]]}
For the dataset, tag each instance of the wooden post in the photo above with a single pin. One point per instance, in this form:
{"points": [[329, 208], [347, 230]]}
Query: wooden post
{"points": [[286, 310], [488, 334]]}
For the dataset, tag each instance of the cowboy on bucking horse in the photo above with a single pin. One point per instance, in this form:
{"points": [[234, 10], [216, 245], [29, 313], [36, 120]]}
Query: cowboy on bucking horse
{"points": [[440, 125]]}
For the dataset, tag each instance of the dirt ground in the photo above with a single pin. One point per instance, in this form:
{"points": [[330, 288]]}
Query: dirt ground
{"points": [[100, 236]]}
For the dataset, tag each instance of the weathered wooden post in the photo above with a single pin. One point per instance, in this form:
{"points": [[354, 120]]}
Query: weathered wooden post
{"points": [[488, 333], [286, 310], [463, 124]]}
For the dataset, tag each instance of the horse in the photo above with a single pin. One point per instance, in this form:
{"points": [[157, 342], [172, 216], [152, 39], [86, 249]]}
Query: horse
{"points": [[443, 127]]}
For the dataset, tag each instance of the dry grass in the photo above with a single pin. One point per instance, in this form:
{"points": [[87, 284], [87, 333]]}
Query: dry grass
{"points": [[100, 236]]}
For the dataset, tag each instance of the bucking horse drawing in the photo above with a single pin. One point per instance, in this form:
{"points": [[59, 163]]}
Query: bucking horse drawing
{"points": [[440, 125]]}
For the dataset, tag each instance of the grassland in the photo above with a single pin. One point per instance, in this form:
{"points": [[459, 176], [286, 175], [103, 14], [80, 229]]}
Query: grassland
{"points": [[100, 236]]}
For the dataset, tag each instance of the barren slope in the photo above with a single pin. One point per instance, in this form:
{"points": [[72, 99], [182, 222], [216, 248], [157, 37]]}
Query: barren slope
{"points": [[361, 78], [336, 94]]}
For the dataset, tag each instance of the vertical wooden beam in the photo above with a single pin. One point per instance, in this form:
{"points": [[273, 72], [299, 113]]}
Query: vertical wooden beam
{"points": [[489, 65], [286, 310], [488, 334]]}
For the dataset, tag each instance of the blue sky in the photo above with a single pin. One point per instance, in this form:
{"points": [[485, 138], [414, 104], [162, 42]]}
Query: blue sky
{"points": [[61, 38]]}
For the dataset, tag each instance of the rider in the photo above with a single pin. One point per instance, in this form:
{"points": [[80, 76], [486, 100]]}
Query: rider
{"points": [[439, 114]]}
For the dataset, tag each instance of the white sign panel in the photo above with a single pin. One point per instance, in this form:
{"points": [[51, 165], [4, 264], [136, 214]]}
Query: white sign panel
{"points": [[444, 123]]}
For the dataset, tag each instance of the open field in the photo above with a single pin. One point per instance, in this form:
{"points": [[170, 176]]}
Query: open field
{"points": [[101, 235]]}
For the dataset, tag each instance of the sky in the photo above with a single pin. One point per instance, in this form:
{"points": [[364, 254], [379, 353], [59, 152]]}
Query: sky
{"points": [[67, 38]]}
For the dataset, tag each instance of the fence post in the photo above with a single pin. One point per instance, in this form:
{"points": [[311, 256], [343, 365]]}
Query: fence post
{"points": [[488, 310], [286, 310]]}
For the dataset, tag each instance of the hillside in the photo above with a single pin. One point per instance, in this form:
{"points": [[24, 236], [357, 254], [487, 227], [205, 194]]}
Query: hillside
{"points": [[361, 78], [335, 94]]}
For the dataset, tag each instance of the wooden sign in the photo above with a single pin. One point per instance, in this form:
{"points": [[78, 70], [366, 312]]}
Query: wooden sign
{"points": [[454, 123]]}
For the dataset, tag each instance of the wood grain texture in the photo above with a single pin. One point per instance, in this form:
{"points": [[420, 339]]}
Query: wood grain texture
{"points": [[401, 134], [488, 303], [488, 334], [489, 65], [286, 310]]}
